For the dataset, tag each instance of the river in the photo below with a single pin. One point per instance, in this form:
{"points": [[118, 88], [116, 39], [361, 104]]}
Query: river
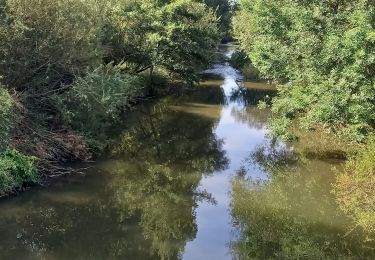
{"points": [[191, 176]]}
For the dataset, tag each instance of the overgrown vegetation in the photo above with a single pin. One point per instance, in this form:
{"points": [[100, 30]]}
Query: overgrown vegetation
{"points": [[73, 67], [224, 10], [15, 170], [324, 51], [96, 100]]}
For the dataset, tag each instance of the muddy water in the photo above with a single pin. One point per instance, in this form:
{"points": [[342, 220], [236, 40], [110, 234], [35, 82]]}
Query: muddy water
{"points": [[191, 177]]}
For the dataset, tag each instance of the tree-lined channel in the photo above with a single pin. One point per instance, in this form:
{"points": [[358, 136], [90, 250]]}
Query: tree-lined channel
{"points": [[194, 177]]}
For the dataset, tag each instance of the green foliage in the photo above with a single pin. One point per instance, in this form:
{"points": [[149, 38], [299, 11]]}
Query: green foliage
{"points": [[355, 188], [325, 50], [178, 36], [238, 59], [16, 169], [47, 42], [51, 48], [50, 42], [6, 116], [96, 100], [224, 10], [78, 64]]}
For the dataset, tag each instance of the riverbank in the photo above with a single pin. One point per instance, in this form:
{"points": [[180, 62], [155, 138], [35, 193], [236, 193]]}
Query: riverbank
{"points": [[68, 71], [55, 153]]}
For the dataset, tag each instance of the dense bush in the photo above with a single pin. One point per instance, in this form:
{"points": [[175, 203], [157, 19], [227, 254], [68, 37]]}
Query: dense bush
{"points": [[322, 54], [178, 36], [224, 9], [97, 99], [16, 169], [48, 42], [325, 50], [240, 61]]}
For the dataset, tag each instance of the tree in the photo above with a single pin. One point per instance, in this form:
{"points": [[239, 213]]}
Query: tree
{"points": [[47, 43], [322, 54], [177, 36], [224, 9]]}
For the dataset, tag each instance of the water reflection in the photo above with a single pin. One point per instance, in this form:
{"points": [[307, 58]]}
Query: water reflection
{"points": [[291, 214], [251, 96], [164, 187], [139, 205], [251, 116], [164, 194]]}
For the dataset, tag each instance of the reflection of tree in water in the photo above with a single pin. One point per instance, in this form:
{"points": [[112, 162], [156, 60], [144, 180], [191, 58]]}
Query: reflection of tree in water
{"points": [[251, 115], [71, 229], [246, 110], [292, 215], [164, 135], [179, 148], [166, 200], [208, 92], [140, 208], [251, 97], [272, 156]]}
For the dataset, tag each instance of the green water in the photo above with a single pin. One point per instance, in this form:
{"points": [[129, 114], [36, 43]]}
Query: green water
{"points": [[191, 177]]}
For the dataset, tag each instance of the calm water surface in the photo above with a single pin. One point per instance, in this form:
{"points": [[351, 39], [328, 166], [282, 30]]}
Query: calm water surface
{"points": [[191, 177]]}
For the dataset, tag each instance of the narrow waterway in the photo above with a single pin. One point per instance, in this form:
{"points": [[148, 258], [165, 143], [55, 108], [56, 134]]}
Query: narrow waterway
{"points": [[192, 176]]}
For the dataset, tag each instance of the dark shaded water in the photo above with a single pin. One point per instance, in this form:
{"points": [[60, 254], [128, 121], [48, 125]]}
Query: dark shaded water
{"points": [[193, 177]]}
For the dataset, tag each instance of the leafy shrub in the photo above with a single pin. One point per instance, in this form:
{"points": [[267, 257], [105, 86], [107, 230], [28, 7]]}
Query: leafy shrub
{"points": [[47, 42], [16, 169], [326, 53], [177, 36], [355, 187], [96, 101]]}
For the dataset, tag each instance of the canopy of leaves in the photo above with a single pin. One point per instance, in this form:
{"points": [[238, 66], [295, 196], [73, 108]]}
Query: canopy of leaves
{"points": [[178, 36]]}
